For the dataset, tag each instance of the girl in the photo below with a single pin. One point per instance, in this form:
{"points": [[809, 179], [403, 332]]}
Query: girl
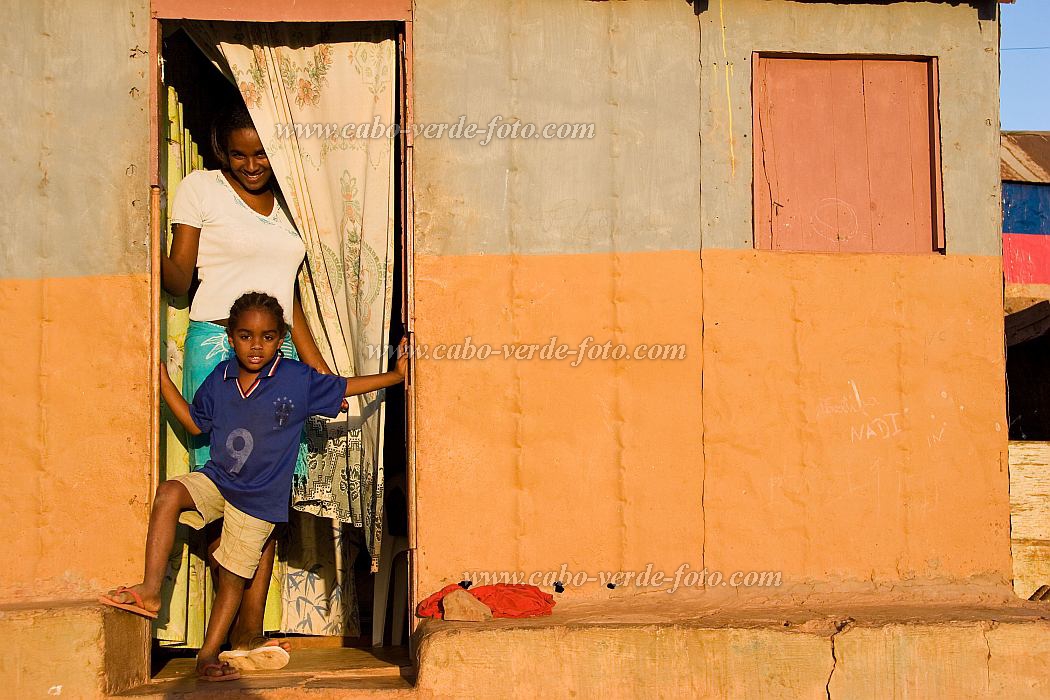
{"points": [[253, 406], [231, 230]]}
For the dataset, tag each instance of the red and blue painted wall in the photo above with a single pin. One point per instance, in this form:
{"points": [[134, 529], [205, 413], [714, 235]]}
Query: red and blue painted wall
{"points": [[1026, 232]]}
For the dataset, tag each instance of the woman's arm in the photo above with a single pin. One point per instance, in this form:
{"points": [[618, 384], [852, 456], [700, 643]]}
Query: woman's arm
{"points": [[173, 397], [303, 340], [178, 264]]}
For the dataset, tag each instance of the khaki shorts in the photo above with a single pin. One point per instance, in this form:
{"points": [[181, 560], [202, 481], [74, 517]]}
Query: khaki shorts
{"points": [[243, 536]]}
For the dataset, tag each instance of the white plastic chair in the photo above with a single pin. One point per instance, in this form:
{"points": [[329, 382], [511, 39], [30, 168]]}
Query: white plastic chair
{"points": [[389, 550]]}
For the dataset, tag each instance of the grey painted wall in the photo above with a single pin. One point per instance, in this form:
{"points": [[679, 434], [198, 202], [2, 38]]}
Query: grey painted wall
{"points": [[670, 161], [650, 77], [74, 138], [630, 68]]}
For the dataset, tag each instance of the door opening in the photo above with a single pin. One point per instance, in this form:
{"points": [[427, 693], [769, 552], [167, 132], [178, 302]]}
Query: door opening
{"points": [[192, 92]]}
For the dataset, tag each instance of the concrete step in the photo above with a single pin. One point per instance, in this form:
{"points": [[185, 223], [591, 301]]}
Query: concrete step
{"points": [[71, 649], [291, 686], [803, 646], [312, 672], [799, 650]]}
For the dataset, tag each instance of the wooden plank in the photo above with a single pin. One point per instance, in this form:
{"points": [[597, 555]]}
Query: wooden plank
{"points": [[921, 161], [849, 203], [762, 194], [794, 154], [410, 315], [155, 234], [1030, 515], [935, 154], [1028, 324], [889, 149], [1031, 566], [1026, 258], [807, 156], [1030, 491]]}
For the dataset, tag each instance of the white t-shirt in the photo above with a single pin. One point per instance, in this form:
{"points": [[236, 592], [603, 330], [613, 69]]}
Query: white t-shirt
{"points": [[240, 249]]}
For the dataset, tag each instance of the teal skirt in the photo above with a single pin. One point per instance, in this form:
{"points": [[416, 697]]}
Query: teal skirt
{"points": [[206, 346]]}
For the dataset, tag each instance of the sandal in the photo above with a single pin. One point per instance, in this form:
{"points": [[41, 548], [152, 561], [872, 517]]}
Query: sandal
{"points": [[136, 608], [268, 657], [203, 674]]}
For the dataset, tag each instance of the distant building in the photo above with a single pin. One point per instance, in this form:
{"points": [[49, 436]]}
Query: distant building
{"points": [[1025, 170]]}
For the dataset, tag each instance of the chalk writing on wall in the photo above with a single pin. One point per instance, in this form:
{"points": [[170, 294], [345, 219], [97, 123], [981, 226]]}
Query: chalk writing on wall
{"points": [[871, 419], [880, 428], [848, 402], [834, 219]]}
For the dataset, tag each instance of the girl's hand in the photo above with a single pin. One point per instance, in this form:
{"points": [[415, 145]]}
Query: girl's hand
{"points": [[402, 358]]}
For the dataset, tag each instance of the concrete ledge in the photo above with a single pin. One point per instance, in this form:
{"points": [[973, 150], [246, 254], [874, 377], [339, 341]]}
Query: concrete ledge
{"points": [[659, 648], [848, 652], [71, 649]]}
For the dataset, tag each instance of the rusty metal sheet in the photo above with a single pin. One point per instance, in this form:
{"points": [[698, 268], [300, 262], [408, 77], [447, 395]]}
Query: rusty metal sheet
{"points": [[1025, 156]]}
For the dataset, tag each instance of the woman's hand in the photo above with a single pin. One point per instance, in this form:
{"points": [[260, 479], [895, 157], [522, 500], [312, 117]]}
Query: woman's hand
{"points": [[176, 403], [177, 267]]}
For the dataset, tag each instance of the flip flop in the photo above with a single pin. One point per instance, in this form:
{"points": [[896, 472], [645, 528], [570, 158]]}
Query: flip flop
{"points": [[136, 609], [268, 657], [202, 675]]}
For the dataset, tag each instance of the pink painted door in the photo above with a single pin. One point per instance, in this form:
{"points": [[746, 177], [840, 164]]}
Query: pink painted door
{"points": [[844, 158]]}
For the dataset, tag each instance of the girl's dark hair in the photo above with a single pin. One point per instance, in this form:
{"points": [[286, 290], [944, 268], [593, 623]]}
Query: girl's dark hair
{"points": [[257, 300], [230, 120]]}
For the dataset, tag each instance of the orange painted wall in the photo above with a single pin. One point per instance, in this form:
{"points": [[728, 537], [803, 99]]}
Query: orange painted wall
{"points": [[528, 465], [855, 416], [74, 394]]}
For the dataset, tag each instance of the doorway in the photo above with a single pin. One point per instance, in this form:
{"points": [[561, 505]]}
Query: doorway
{"points": [[192, 91]]}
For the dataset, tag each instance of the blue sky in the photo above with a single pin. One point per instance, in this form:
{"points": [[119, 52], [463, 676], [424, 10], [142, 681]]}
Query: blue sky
{"points": [[1025, 88]]}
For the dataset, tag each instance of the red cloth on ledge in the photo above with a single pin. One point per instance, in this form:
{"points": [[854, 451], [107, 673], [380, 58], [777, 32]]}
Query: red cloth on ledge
{"points": [[503, 599]]}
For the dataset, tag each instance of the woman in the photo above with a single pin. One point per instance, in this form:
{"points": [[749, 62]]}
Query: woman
{"points": [[231, 229]]}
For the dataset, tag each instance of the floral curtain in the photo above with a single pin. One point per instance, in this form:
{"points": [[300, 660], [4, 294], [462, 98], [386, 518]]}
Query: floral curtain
{"points": [[309, 89]]}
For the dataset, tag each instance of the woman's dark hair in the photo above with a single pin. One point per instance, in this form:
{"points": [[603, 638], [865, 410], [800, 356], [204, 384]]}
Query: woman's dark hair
{"points": [[257, 300], [229, 120]]}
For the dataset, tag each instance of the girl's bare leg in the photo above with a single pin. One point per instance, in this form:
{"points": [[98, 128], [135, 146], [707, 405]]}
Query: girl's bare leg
{"points": [[230, 588], [247, 630], [171, 499]]}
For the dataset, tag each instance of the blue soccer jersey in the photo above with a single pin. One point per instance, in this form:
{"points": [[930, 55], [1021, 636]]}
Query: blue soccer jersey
{"points": [[255, 433]]}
